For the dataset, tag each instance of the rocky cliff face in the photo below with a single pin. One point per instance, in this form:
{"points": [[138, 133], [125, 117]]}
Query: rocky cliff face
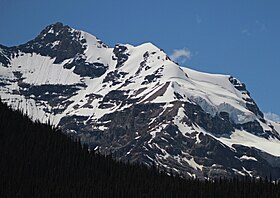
{"points": [[138, 105]]}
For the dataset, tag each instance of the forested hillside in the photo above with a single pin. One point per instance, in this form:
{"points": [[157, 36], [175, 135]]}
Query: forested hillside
{"points": [[39, 161]]}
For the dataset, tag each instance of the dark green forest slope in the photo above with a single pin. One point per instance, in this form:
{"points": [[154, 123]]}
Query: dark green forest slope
{"points": [[38, 161]]}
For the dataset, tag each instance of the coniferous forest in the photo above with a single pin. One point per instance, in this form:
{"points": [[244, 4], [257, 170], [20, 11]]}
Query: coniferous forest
{"points": [[39, 161]]}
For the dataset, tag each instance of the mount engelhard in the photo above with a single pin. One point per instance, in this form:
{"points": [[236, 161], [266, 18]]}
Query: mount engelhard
{"points": [[138, 105]]}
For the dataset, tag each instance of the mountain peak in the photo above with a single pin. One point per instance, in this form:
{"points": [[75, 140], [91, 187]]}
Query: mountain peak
{"points": [[135, 103], [56, 41], [148, 45], [57, 30], [56, 26]]}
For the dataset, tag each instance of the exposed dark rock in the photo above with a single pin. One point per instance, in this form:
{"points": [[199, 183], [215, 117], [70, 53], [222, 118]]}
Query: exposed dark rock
{"points": [[143, 64], [18, 75], [147, 68], [121, 55], [105, 105], [115, 96], [84, 68], [133, 118], [158, 93], [52, 90], [3, 84], [178, 96], [150, 78], [252, 106], [94, 96], [219, 124], [115, 77], [253, 127], [238, 85]]}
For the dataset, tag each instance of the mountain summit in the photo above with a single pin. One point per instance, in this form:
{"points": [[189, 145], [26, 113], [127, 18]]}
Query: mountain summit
{"points": [[138, 105]]}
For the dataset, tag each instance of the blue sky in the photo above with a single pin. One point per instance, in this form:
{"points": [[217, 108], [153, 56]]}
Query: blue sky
{"points": [[236, 37]]}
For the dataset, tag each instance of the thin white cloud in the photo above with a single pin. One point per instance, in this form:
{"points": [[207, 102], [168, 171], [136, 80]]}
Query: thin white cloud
{"points": [[181, 55], [198, 19], [246, 32], [261, 26], [257, 27], [272, 116]]}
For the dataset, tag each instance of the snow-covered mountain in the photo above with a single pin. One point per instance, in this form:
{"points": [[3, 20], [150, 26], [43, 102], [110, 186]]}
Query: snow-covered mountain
{"points": [[134, 102]]}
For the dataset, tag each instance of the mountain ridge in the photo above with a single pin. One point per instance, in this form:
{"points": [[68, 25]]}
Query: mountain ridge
{"points": [[137, 104]]}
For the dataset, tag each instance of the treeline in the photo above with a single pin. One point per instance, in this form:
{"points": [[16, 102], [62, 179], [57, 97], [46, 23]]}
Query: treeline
{"points": [[39, 161]]}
